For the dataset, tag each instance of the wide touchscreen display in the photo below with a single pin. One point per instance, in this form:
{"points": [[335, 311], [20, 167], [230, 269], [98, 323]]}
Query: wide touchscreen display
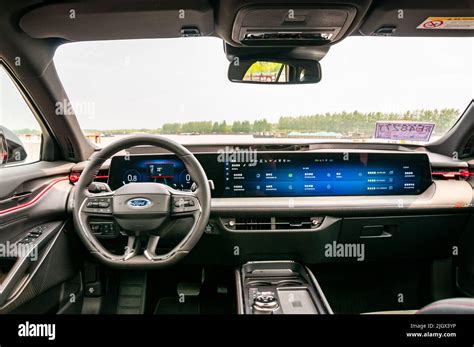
{"points": [[327, 174], [284, 174]]}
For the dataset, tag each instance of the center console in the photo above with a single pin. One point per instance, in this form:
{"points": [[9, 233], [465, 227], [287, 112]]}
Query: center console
{"points": [[279, 287]]}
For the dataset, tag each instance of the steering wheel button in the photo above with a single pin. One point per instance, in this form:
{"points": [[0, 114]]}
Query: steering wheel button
{"points": [[179, 202]]}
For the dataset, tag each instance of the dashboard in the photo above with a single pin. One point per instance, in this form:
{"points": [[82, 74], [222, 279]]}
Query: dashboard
{"points": [[388, 200], [284, 174]]}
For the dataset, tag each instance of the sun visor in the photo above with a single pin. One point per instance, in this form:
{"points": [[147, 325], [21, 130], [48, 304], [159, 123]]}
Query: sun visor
{"points": [[109, 20], [420, 18]]}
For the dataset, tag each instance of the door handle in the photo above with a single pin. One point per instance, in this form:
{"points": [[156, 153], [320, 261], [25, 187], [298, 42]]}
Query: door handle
{"points": [[383, 235], [375, 232], [16, 197]]}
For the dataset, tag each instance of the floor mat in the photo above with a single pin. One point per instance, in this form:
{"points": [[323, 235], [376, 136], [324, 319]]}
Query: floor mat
{"points": [[216, 295], [192, 305], [172, 305]]}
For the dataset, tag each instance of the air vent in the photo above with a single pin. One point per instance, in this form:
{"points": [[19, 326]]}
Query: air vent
{"points": [[273, 223], [71, 153], [467, 150], [295, 223], [250, 223], [282, 147]]}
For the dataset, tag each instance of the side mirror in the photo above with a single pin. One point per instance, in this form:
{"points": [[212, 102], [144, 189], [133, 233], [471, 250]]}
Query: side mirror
{"points": [[274, 71], [11, 147]]}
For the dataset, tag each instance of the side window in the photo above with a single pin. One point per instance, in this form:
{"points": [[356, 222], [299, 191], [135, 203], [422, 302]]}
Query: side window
{"points": [[20, 133]]}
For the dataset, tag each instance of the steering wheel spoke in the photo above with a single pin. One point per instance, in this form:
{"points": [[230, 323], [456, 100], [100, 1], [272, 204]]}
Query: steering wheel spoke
{"points": [[132, 248], [150, 251]]}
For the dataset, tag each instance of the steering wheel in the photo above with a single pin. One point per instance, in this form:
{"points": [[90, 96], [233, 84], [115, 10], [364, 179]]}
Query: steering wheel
{"points": [[142, 210]]}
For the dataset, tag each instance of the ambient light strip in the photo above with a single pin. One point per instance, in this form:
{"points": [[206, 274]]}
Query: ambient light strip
{"points": [[36, 198], [452, 174], [75, 175]]}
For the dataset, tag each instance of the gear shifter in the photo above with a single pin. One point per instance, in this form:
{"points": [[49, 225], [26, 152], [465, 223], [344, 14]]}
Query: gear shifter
{"points": [[265, 303]]}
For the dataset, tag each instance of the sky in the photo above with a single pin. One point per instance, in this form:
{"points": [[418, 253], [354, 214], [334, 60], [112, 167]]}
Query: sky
{"points": [[14, 111], [145, 83]]}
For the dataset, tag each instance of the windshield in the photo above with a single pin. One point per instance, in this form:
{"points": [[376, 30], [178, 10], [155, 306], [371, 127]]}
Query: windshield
{"points": [[180, 87]]}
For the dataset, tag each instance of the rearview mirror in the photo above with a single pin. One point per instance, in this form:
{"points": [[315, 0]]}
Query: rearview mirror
{"points": [[294, 71]]}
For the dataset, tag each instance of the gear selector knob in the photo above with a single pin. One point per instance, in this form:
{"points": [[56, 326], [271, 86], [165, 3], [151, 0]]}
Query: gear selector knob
{"points": [[265, 303]]}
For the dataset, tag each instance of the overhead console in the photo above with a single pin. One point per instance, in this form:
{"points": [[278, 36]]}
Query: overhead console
{"points": [[291, 25], [284, 174]]}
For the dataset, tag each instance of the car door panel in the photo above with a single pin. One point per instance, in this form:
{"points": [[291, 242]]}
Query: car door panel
{"points": [[33, 202], [12, 178]]}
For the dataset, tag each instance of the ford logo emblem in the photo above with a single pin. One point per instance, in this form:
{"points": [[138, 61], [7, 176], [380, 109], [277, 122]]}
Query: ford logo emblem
{"points": [[139, 203]]}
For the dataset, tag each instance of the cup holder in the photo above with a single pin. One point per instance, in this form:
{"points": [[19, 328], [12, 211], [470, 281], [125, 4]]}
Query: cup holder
{"points": [[259, 283], [290, 283]]}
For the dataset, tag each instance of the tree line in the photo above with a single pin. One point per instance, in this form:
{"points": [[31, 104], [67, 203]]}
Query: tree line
{"points": [[345, 123]]}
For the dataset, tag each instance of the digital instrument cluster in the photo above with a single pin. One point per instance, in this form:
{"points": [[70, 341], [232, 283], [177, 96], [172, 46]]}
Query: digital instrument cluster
{"points": [[134, 169], [285, 174]]}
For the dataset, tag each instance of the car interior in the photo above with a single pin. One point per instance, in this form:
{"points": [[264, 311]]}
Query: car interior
{"points": [[289, 217]]}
